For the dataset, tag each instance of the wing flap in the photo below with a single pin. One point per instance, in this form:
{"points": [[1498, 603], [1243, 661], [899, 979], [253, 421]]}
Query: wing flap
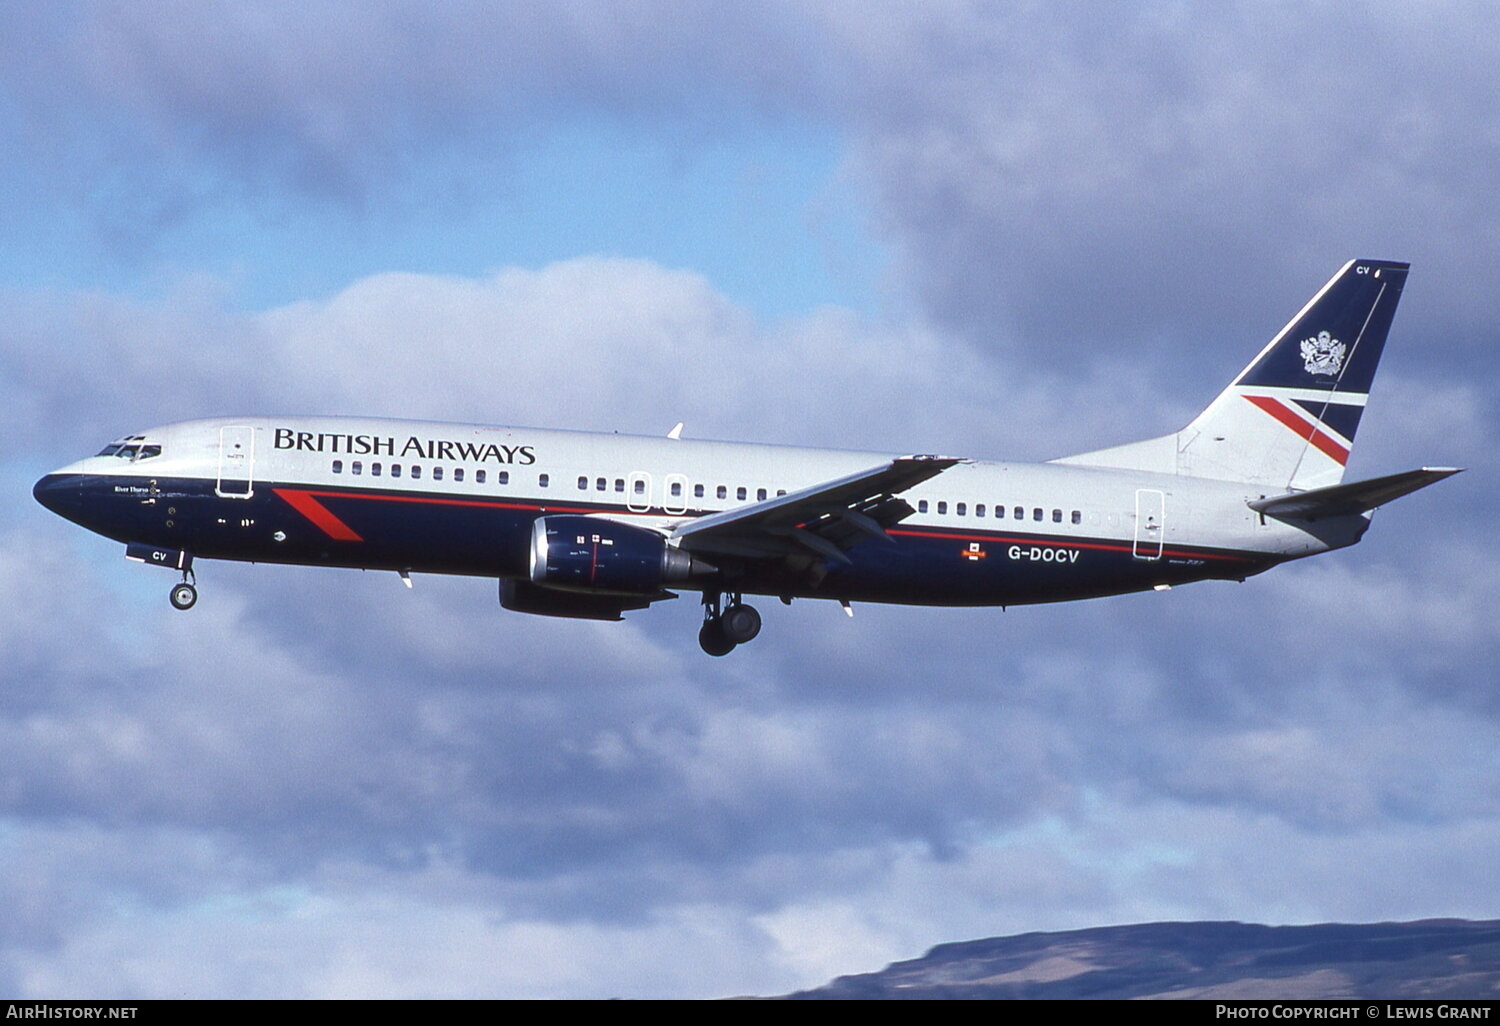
{"points": [[827, 518], [1349, 499]]}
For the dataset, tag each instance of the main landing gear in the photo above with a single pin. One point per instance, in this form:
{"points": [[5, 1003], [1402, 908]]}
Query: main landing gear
{"points": [[724, 628]]}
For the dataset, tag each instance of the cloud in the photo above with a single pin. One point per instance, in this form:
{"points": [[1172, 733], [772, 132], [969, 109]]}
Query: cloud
{"points": [[337, 104], [1141, 177], [593, 343], [1141, 181], [340, 784]]}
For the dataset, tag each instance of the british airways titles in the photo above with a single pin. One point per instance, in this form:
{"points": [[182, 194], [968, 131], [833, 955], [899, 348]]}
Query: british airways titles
{"points": [[391, 445]]}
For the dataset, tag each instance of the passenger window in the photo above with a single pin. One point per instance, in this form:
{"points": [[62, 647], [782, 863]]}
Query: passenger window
{"points": [[1057, 516], [697, 491], [760, 495], [942, 506], [479, 477], [503, 477], [640, 486], [395, 470], [374, 469], [1077, 517], [620, 485], [600, 484], [979, 509], [357, 467], [437, 473], [1018, 513], [416, 471], [583, 483], [963, 509], [739, 493], [338, 466], [723, 492], [458, 474], [1036, 513], [922, 506], [780, 492], [543, 480], [676, 489]]}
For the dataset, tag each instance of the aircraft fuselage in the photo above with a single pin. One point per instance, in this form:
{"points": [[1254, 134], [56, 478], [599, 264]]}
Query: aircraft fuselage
{"points": [[457, 499]]}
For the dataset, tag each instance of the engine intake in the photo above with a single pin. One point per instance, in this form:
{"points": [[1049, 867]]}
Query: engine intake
{"points": [[595, 555]]}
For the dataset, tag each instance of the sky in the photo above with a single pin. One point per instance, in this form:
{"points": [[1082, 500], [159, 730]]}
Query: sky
{"points": [[998, 230]]}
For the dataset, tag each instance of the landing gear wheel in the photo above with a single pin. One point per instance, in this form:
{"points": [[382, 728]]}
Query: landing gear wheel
{"points": [[740, 623], [184, 595], [712, 640]]}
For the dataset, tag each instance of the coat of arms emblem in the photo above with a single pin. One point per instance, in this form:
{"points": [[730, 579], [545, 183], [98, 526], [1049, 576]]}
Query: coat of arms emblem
{"points": [[1323, 354]]}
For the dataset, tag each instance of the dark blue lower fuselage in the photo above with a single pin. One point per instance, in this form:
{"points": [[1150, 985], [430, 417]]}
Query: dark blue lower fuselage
{"points": [[436, 532]]}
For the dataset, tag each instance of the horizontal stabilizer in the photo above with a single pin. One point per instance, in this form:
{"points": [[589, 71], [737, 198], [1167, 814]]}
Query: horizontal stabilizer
{"points": [[1349, 499]]}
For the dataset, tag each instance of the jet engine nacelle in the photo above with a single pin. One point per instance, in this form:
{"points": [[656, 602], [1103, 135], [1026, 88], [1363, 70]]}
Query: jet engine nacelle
{"points": [[525, 597], [590, 554]]}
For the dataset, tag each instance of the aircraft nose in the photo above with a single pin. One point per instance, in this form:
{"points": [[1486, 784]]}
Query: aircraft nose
{"points": [[61, 493]]}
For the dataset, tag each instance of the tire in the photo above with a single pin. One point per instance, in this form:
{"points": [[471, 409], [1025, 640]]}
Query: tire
{"points": [[740, 623], [712, 640], [183, 596]]}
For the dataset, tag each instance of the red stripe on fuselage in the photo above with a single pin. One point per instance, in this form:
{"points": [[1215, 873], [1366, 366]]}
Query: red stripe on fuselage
{"points": [[429, 500], [320, 515], [1059, 542], [305, 501], [1306, 429]]}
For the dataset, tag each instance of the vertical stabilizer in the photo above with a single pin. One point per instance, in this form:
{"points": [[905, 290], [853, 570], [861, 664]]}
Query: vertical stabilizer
{"points": [[1288, 421]]}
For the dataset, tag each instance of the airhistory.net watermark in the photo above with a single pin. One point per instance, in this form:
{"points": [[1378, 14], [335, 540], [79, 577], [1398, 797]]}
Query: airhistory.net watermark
{"points": [[44, 1010]]}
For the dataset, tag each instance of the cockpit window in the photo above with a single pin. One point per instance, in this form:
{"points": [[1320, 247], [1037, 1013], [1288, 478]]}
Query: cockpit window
{"points": [[131, 449]]}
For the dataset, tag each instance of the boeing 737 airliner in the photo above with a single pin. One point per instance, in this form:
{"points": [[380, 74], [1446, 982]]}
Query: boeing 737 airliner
{"points": [[590, 526]]}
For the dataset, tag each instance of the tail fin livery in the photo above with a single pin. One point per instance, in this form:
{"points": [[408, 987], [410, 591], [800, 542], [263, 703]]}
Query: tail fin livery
{"points": [[1288, 421]]}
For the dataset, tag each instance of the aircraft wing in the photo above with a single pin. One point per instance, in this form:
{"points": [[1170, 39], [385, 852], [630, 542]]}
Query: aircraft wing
{"points": [[1349, 499], [825, 520]]}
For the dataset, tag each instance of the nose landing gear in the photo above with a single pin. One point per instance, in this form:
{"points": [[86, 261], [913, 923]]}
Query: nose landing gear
{"points": [[725, 627], [185, 593]]}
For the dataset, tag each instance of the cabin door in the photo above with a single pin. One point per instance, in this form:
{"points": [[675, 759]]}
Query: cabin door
{"points": [[1150, 526], [236, 462]]}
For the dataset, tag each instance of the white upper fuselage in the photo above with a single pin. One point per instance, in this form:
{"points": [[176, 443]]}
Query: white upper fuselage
{"points": [[658, 481]]}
